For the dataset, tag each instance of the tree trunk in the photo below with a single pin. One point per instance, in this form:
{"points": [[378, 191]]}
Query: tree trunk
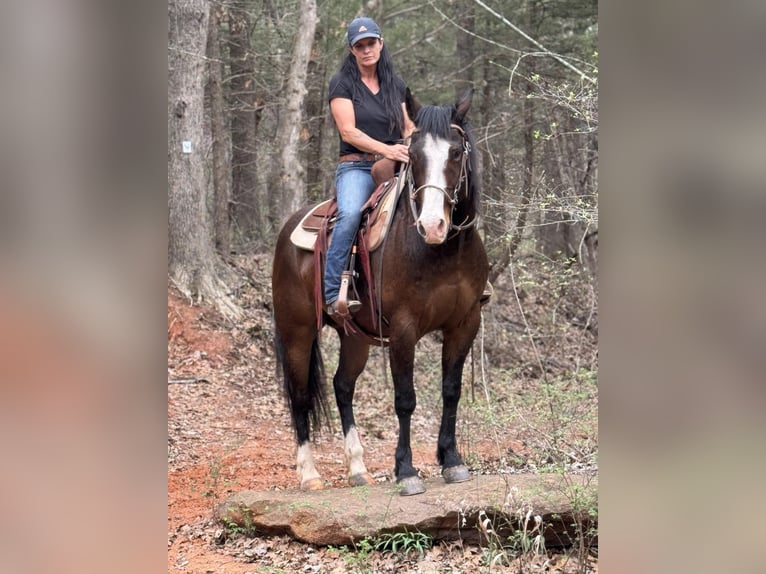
{"points": [[248, 216], [528, 184], [220, 137], [464, 48], [570, 158], [492, 172], [315, 125], [529, 166], [528, 110], [192, 261], [290, 193]]}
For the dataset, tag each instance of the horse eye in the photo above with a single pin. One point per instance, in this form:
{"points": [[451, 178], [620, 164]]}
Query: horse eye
{"points": [[454, 153]]}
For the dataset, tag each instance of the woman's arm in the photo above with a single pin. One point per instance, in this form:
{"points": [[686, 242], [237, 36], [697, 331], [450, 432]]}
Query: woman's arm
{"points": [[343, 113]]}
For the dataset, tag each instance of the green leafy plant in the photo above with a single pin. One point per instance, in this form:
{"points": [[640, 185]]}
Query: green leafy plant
{"points": [[357, 560], [233, 528], [524, 544], [585, 517], [404, 542], [358, 557]]}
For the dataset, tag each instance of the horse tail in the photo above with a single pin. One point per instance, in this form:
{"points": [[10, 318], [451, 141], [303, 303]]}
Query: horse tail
{"points": [[307, 400]]}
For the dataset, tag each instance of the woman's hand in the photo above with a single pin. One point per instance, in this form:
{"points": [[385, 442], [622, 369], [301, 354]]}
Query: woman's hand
{"points": [[397, 152]]}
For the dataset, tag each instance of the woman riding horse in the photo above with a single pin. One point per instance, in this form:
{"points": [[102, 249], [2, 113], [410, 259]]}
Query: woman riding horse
{"points": [[431, 271], [367, 104]]}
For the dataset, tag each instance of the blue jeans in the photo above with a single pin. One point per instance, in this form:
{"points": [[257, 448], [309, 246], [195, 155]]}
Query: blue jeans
{"points": [[353, 187]]}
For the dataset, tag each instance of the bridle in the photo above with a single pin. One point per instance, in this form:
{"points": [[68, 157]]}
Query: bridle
{"points": [[452, 197]]}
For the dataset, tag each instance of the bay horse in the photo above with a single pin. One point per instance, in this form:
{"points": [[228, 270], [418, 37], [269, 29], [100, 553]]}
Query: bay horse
{"points": [[432, 270]]}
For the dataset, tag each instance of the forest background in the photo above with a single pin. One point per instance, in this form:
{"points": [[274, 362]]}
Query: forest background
{"points": [[251, 140], [247, 93]]}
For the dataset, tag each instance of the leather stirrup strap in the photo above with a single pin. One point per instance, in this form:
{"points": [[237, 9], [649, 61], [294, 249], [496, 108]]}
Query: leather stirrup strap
{"points": [[342, 303]]}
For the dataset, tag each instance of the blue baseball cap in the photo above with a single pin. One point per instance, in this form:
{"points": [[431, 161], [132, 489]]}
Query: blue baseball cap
{"points": [[361, 28]]}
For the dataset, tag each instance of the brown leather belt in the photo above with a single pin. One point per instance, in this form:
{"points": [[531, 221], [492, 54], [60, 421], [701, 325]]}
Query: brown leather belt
{"points": [[360, 157]]}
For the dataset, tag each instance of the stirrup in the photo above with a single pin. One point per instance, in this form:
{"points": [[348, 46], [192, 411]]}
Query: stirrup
{"points": [[487, 294], [342, 310], [343, 305]]}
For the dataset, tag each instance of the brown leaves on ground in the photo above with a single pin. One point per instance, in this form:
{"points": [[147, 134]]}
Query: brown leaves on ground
{"points": [[229, 430]]}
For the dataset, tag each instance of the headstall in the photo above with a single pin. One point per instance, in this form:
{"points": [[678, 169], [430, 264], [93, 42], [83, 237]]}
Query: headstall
{"points": [[451, 197]]}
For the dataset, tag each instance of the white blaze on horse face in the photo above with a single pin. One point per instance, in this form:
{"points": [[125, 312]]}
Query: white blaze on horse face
{"points": [[433, 217], [354, 453], [306, 469]]}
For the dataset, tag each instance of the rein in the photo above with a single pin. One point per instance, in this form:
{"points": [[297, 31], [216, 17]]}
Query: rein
{"points": [[451, 198]]}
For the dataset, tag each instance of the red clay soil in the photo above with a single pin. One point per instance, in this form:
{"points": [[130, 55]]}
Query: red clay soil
{"points": [[229, 430]]}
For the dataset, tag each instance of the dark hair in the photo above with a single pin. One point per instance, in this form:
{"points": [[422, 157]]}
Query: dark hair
{"points": [[388, 85], [434, 120]]}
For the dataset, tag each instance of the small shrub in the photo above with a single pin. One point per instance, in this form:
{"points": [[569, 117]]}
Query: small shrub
{"points": [[404, 542]]}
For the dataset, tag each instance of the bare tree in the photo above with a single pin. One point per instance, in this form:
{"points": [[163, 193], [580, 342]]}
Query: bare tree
{"points": [[193, 265], [248, 215], [220, 136], [464, 48], [315, 124], [291, 190]]}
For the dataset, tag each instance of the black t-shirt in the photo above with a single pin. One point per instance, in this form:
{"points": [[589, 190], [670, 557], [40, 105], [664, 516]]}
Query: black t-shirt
{"points": [[369, 113]]}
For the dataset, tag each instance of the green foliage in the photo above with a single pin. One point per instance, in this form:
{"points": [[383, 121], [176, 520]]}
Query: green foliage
{"points": [[214, 479], [232, 528], [520, 549], [562, 421], [583, 500], [525, 542], [359, 557], [404, 542]]}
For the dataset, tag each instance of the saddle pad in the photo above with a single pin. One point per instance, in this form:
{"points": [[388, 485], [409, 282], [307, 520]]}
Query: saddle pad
{"points": [[303, 237], [305, 233], [379, 224], [315, 217]]}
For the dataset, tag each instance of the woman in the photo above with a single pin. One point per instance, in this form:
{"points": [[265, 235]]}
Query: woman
{"points": [[367, 103]]}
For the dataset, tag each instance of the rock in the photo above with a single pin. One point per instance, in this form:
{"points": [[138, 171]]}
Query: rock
{"points": [[445, 511]]}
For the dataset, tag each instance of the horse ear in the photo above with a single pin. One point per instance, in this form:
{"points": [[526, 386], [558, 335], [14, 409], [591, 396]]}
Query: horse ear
{"points": [[412, 105], [462, 105]]}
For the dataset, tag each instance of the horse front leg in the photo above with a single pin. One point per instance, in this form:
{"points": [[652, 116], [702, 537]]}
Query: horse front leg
{"points": [[402, 358], [353, 358], [454, 352]]}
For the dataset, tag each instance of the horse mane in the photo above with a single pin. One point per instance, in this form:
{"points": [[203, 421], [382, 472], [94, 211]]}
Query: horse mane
{"points": [[436, 120]]}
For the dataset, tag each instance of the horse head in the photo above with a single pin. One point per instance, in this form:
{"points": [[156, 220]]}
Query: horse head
{"points": [[441, 186]]}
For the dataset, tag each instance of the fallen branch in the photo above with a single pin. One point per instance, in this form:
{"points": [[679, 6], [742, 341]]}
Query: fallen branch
{"points": [[192, 381]]}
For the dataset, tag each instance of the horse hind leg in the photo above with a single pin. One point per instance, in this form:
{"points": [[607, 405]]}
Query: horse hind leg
{"points": [[353, 357], [354, 456], [304, 387], [307, 473]]}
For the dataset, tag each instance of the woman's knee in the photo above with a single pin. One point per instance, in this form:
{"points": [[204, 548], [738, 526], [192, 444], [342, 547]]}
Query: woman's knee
{"points": [[348, 218]]}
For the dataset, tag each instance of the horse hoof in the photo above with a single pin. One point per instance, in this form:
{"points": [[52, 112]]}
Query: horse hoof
{"points": [[455, 474], [313, 484], [411, 485], [361, 479]]}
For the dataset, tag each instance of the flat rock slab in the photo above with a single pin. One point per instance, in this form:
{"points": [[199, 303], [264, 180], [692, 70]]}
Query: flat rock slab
{"points": [[445, 511]]}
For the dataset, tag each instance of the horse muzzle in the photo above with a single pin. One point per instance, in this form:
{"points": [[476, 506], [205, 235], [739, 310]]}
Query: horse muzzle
{"points": [[434, 231], [433, 222]]}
